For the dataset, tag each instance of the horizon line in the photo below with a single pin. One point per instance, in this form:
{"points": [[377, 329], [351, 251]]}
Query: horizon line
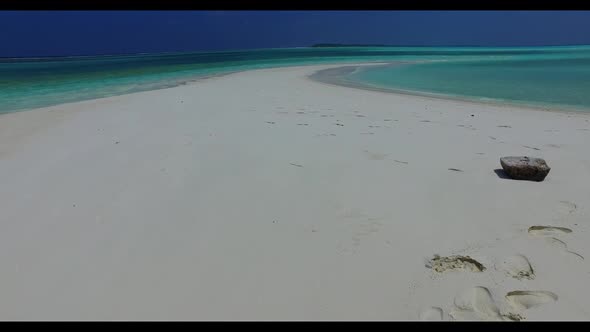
{"points": [[328, 45]]}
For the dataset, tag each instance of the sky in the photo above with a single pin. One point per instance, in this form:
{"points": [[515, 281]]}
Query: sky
{"points": [[54, 33]]}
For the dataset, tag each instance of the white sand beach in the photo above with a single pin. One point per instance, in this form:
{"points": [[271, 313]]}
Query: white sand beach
{"points": [[264, 195]]}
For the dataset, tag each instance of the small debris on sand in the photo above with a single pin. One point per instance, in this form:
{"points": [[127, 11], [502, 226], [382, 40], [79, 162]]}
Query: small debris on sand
{"points": [[530, 147]]}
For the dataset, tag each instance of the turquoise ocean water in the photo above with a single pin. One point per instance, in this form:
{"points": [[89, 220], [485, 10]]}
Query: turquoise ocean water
{"points": [[556, 77]]}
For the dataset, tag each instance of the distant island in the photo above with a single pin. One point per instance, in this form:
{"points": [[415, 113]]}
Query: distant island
{"points": [[384, 45], [348, 45]]}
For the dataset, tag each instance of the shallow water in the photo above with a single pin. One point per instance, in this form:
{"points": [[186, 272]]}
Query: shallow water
{"points": [[545, 75], [560, 81]]}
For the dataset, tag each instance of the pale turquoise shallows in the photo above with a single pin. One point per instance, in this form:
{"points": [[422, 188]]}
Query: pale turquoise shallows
{"points": [[552, 81], [558, 77]]}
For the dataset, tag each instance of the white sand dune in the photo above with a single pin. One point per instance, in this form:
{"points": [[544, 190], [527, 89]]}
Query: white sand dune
{"points": [[264, 195]]}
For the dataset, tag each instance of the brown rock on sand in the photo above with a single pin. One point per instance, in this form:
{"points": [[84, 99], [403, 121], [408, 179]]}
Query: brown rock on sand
{"points": [[525, 168]]}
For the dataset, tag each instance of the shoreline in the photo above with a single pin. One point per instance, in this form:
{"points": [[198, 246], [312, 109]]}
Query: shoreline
{"points": [[334, 76], [326, 76], [185, 81]]}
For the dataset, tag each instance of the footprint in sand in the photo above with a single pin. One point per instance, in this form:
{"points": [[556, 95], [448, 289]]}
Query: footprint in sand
{"points": [[548, 230], [363, 226], [364, 230], [464, 315], [562, 245], [449, 263], [475, 304], [522, 300], [556, 243], [532, 148], [563, 210], [517, 266], [571, 207], [432, 314]]}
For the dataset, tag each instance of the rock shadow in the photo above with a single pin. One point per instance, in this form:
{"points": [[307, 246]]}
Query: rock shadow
{"points": [[501, 174]]}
